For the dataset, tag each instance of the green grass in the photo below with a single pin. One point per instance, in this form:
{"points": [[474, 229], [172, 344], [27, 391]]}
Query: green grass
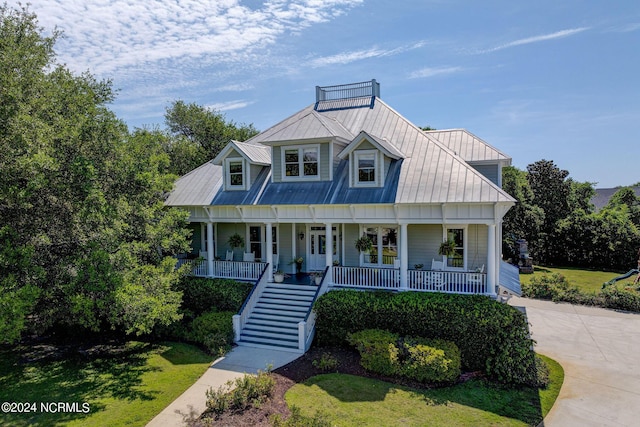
{"points": [[586, 280], [127, 387], [348, 400]]}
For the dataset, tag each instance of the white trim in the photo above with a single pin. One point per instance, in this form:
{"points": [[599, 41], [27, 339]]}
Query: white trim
{"points": [[302, 177], [227, 174], [356, 168]]}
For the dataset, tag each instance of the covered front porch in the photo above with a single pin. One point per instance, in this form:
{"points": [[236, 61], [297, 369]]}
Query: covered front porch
{"points": [[403, 257]]}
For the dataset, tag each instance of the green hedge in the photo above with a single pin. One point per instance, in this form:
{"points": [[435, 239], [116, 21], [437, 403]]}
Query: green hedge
{"points": [[420, 359], [492, 337], [200, 294]]}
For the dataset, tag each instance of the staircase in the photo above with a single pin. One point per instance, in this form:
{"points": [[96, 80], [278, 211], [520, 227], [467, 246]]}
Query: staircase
{"points": [[273, 323]]}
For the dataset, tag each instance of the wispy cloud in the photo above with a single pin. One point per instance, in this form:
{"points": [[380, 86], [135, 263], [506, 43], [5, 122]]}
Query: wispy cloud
{"points": [[537, 39], [111, 35], [628, 28], [357, 55], [431, 72], [229, 105]]}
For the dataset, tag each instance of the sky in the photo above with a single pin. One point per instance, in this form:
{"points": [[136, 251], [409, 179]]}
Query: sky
{"points": [[545, 79]]}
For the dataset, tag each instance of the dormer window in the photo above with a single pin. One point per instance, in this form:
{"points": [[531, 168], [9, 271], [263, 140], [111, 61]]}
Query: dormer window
{"points": [[367, 166], [235, 174], [301, 162]]}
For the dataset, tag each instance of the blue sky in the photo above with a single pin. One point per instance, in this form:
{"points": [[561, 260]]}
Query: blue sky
{"points": [[545, 79]]}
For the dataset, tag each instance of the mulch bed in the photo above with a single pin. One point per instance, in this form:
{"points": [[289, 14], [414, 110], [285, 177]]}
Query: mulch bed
{"points": [[299, 371]]}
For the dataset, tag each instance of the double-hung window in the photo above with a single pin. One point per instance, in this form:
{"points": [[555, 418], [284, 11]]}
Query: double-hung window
{"points": [[384, 251], [365, 164], [301, 162], [456, 260], [235, 176]]}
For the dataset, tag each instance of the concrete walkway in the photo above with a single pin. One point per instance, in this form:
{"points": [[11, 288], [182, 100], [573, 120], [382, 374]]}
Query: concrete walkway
{"points": [[599, 350], [240, 361]]}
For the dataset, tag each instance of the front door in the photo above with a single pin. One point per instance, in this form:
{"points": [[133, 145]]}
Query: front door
{"points": [[318, 248]]}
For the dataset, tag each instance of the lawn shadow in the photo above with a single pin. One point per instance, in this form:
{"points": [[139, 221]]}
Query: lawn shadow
{"points": [[179, 354], [78, 375]]}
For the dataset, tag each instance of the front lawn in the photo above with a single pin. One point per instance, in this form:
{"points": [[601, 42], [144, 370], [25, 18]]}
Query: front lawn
{"points": [[349, 400], [589, 281], [124, 385]]}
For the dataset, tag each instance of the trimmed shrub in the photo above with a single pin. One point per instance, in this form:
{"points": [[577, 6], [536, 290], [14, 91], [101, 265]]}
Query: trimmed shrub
{"points": [[546, 286], [488, 333], [419, 359], [621, 299], [214, 331], [200, 294], [238, 395]]}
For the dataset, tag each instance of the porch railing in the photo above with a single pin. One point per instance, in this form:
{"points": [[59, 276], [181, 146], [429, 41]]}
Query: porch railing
{"points": [[198, 266], [307, 327], [366, 277], [447, 281], [240, 319], [239, 270]]}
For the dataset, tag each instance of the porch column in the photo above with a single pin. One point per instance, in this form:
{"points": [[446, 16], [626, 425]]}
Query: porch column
{"points": [[328, 253], [293, 247], [210, 249], [491, 259], [269, 250], [404, 257]]}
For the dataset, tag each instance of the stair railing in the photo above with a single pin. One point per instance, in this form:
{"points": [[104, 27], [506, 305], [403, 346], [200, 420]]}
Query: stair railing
{"points": [[307, 327], [240, 319]]}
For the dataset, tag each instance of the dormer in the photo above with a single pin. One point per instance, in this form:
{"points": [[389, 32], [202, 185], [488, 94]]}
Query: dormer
{"points": [[369, 158], [241, 163]]}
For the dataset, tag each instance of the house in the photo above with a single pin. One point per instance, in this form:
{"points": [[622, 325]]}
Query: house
{"points": [[345, 167], [602, 196]]}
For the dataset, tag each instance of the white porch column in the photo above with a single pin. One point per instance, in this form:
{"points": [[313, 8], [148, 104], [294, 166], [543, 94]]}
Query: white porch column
{"points": [[404, 256], [328, 253], [491, 260], [293, 247], [269, 250], [210, 249]]}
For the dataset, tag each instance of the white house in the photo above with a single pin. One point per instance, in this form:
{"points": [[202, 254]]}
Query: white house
{"points": [[344, 167]]}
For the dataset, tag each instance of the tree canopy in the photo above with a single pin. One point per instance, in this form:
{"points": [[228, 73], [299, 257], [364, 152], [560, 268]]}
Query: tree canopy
{"points": [[85, 239]]}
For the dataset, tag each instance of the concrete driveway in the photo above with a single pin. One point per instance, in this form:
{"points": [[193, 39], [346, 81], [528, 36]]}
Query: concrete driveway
{"points": [[599, 350]]}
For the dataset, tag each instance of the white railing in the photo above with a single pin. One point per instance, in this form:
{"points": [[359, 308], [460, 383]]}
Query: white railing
{"points": [[240, 319], [239, 270], [198, 266], [447, 281], [307, 327], [367, 277]]}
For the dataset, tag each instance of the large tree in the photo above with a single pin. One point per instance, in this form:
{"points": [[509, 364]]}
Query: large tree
{"points": [[85, 238], [199, 134]]}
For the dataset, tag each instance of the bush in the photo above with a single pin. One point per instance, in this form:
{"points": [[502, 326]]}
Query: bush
{"points": [[419, 359], [545, 286], [250, 390], [327, 362], [200, 294], [213, 330], [621, 299], [486, 332], [320, 419]]}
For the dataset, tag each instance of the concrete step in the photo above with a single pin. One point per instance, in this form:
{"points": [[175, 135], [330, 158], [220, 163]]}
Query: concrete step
{"points": [[275, 322], [282, 307], [289, 302], [291, 344], [276, 329], [286, 336]]}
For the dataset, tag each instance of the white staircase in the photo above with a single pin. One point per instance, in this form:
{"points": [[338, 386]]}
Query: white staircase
{"points": [[273, 323]]}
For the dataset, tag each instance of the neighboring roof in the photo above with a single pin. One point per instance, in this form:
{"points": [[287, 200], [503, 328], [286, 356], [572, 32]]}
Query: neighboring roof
{"points": [[430, 172], [198, 187], [603, 195], [468, 146], [381, 144], [254, 153]]}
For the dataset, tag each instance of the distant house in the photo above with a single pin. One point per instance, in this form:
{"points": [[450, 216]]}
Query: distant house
{"points": [[603, 195], [347, 167]]}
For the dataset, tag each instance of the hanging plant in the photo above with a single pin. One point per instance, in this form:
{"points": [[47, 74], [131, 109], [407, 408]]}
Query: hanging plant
{"points": [[364, 243], [447, 248], [235, 241]]}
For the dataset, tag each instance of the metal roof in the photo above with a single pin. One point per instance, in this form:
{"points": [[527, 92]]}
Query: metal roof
{"points": [[254, 153], [431, 171], [198, 187], [468, 146], [383, 145]]}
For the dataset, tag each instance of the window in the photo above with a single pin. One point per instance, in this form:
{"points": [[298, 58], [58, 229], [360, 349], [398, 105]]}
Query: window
{"points": [[274, 240], [255, 240], [457, 259], [301, 162], [366, 165], [385, 246], [235, 177]]}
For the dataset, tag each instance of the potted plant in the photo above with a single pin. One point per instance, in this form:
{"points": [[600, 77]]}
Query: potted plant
{"points": [[279, 276], [447, 248], [298, 262], [364, 243], [316, 277], [235, 241]]}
